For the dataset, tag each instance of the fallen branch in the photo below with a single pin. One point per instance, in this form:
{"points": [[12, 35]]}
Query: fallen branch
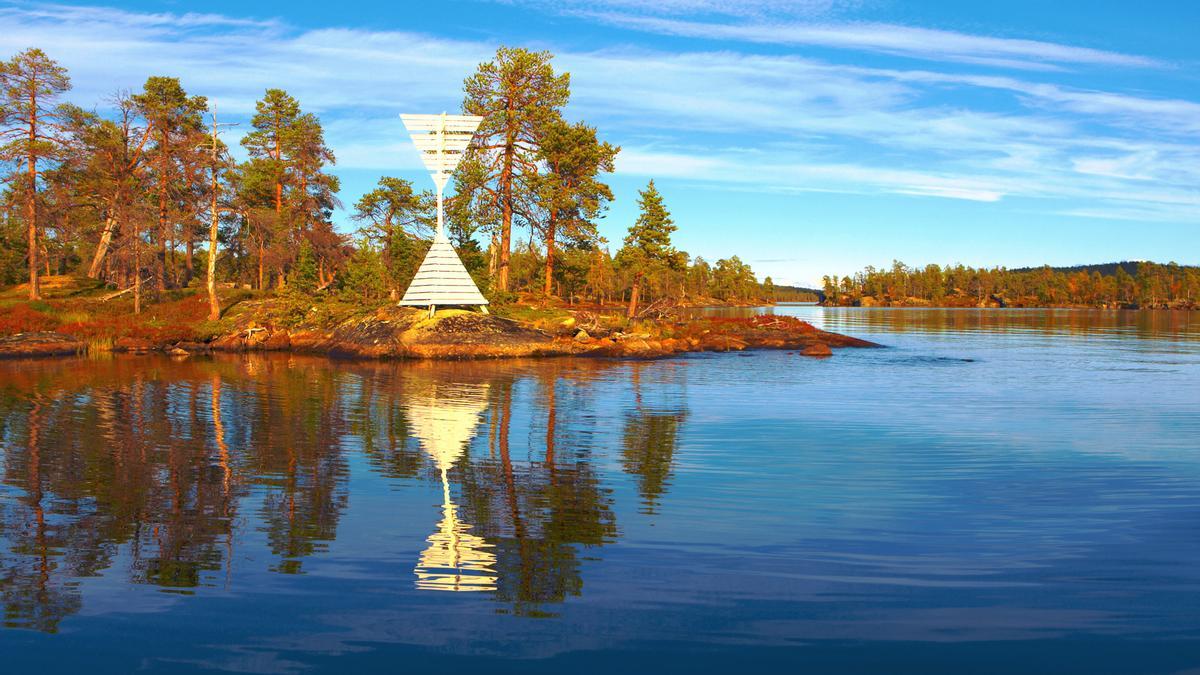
{"points": [[659, 309], [118, 294]]}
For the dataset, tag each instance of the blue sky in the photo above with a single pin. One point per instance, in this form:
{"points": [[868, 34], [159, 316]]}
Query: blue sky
{"points": [[809, 137]]}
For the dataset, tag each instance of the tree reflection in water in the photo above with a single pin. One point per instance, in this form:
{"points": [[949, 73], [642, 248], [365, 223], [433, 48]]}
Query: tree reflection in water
{"points": [[162, 468], [651, 434]]}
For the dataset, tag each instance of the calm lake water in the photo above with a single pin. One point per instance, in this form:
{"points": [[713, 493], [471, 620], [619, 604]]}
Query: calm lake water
{"points": [[997, 491]]}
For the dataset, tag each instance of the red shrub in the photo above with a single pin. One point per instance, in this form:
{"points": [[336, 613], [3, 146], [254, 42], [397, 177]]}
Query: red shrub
{"points": [[24, 319], [114, 327]]}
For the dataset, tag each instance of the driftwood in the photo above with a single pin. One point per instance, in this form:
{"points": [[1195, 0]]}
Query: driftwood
{"points": [[659, 309], [118, 294]]}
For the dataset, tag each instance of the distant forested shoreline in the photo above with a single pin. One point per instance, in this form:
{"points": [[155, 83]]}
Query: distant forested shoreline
{"points": [[1128, 285]]}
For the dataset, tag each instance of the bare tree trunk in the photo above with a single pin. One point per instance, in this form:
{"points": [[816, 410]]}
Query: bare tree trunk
{"points": [[279, 177], [110, 224], [505, 245], [214, 306], [31, 220], [549, 285], [162, 228], [506, 198], [493, 253], [188, 262], [137, 272], [633, 298]]}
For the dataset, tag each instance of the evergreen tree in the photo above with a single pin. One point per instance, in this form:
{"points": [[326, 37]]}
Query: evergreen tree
{"points": [[648, 246], [30, 84], [274, 125], [363, 279], [519, 95], [396, 219], [570, 192], [303, 275], [314, 192], [177, 131], [115, 165], [254, 184], [274, 120]]}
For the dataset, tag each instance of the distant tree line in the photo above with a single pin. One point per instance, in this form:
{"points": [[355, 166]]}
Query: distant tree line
{"points": [[1126, 284], [141, 196]]}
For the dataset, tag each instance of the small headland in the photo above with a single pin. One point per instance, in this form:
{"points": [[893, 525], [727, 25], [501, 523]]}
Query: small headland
{"points": [[400, 332], [78, 316]]}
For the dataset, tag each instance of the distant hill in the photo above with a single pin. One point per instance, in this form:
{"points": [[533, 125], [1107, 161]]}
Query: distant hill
{"points": [[1105, 269]]}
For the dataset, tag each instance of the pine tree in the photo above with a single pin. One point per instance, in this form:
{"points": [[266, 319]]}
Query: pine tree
{"points": [[177, 131], [274, 122], [314, 194], [570, 191], [114, 167], [518, 94], [396, 218], [647, 247], [30, 83], [274, 119], [363, 279], [303, 275]]}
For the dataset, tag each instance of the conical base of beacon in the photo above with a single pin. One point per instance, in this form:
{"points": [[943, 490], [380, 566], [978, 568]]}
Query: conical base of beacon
{"points": [[442, 280]]}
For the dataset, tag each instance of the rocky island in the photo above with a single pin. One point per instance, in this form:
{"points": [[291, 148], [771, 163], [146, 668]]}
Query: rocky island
{"points": [[390, 332]]}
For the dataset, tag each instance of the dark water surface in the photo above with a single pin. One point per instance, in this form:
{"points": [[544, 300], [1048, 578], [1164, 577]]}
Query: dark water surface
{"points": [[998, 491]]}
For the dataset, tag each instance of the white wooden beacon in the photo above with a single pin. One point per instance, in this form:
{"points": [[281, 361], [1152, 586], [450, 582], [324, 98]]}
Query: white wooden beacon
{"points": [[442, 280]]}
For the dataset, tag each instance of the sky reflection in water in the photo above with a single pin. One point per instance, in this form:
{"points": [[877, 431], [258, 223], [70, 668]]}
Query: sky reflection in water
{"points": [[995, 489]]}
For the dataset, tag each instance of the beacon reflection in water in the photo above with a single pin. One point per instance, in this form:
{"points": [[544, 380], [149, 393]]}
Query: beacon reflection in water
{"points": [[444, 418]]}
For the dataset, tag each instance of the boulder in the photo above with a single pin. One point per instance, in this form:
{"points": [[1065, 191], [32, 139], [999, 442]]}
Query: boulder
{"points": [[279, 340], [228, 343], [132, 345], [721, 343], [193, 347], [39, 344], [582, 336], [818, 350]]}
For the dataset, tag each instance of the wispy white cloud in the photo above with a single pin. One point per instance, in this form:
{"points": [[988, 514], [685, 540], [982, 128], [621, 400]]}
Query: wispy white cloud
{"points": [[729, 119], [909, 41], [726, 8]]}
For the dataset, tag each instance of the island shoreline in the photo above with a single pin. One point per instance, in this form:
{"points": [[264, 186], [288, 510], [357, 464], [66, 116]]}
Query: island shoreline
{"points": [[393, 333]]}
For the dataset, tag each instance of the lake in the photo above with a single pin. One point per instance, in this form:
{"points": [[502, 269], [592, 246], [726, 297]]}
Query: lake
{"points": [[996, 491]]}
